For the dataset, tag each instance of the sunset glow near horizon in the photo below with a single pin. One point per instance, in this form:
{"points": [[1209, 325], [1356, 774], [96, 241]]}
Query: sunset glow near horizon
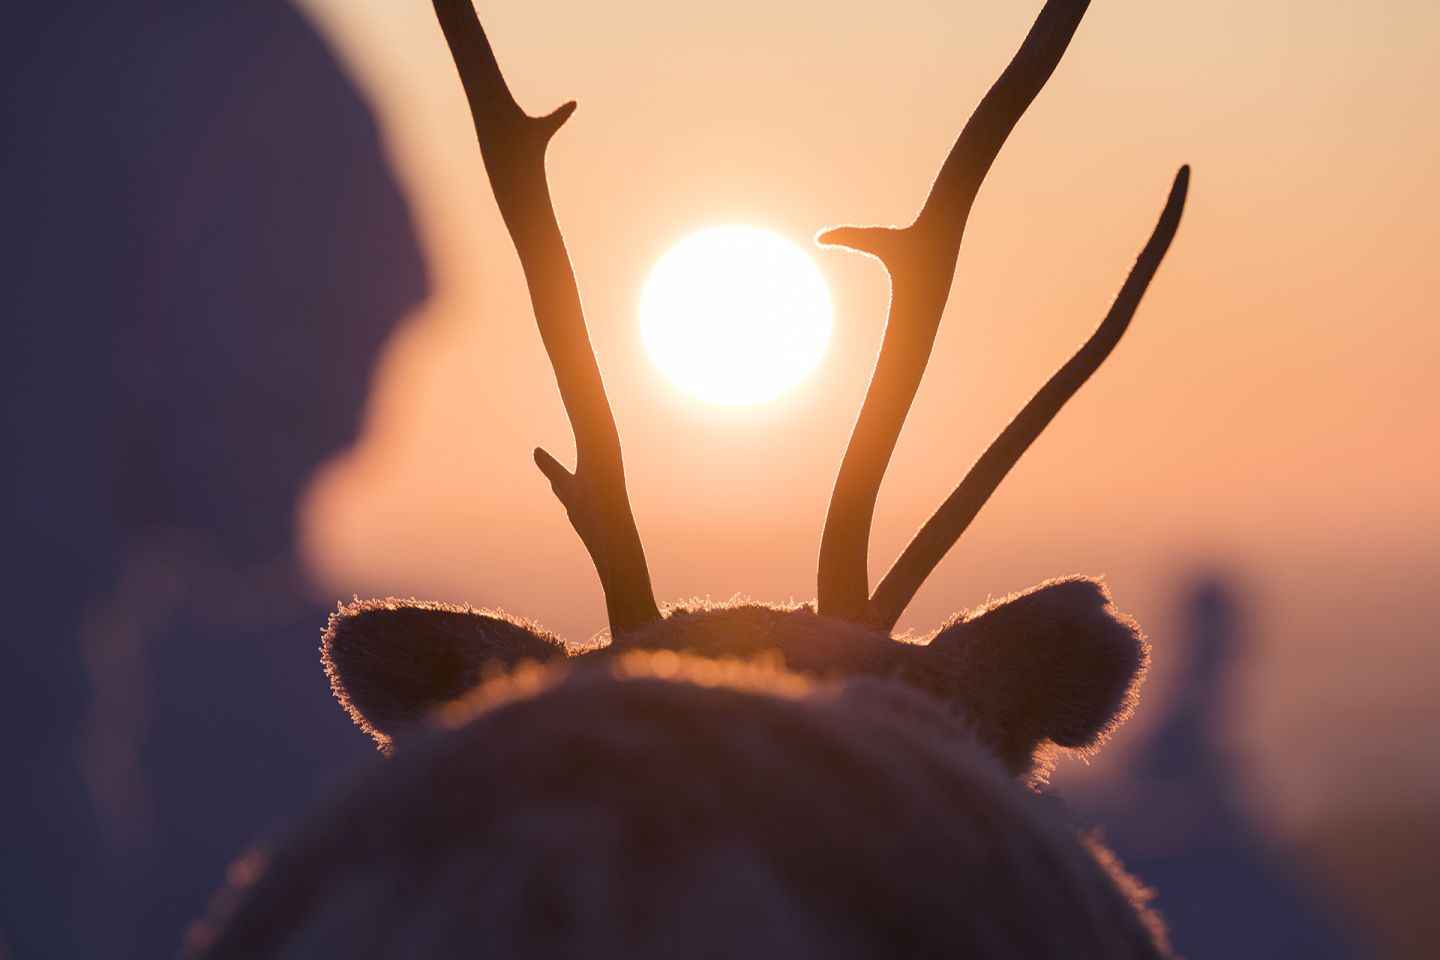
{"points": [[735, 315]]}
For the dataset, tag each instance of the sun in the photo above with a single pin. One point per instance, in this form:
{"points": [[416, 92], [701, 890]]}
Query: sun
{"points": [[735, 315]]}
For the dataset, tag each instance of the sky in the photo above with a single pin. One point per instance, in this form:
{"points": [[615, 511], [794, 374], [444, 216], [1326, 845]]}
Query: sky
{"points": [[1270, 415]]}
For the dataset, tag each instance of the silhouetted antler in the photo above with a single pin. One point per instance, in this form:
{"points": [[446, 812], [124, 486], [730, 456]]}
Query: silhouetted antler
{"points": [[943, 529], [513, 145], [921, 259]]}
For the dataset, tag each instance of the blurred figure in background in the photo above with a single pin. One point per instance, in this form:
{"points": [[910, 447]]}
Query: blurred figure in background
{"points": [[1173, 816], [204, 255]]}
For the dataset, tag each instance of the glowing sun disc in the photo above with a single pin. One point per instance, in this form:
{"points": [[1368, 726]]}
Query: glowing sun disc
{"points": [[735, 315]]}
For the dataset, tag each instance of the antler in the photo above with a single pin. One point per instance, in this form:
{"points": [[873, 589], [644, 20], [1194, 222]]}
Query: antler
{"points": [[944, 528], [921, 261], [513, 146]]}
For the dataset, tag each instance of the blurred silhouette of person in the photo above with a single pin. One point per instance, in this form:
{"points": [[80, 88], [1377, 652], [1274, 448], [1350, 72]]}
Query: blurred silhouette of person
{"points": [[204, 255], [1173, 816]]}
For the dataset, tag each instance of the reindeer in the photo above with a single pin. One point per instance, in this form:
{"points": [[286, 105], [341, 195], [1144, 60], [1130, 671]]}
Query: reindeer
{"points": [[740, 778]]}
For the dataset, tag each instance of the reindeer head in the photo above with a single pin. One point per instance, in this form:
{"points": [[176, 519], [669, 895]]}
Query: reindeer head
{"points": [[1053, 665]]}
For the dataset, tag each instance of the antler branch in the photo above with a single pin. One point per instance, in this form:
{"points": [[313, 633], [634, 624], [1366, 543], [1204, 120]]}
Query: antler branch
{"points": [[920, 259], [513, 146], [943, 529]]}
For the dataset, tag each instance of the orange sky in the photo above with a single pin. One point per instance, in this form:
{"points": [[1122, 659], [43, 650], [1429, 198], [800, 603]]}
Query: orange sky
{"points": [[1271, 412]]}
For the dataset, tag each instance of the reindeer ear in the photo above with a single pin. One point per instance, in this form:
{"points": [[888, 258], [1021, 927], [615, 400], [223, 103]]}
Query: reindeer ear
{"points": [[391, 662], [1054, 663]]}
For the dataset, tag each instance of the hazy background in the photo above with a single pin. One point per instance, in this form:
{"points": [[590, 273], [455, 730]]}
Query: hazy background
{"points": [[1269, 420]]}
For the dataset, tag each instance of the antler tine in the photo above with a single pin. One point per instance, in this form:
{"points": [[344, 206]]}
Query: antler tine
{"points": [[944, 528], [920, 259], [513, 146]]}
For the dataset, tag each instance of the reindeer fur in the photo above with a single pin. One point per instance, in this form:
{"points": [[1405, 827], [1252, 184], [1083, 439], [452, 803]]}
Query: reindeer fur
{"points": [[733, 780]]}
